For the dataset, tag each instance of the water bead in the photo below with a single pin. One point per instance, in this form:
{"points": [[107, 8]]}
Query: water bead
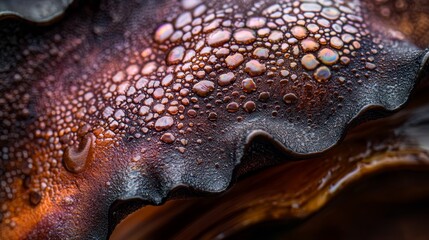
{"points": [[254, 68], [336, 42], [311, 7], [203, 88], [299, 32], [248, 85], [309, 62], [218, 37], [233, 61], [261, 53], [226, 79], [256, 22], [163, 32], [244, 36], [275, 36], [328, 56], [309, 45], [322, 74], [176, 55], [330, 13], [164, 123]]}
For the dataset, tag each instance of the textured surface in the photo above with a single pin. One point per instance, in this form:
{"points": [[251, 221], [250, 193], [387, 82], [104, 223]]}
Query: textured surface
{"points": [[123, 100]]}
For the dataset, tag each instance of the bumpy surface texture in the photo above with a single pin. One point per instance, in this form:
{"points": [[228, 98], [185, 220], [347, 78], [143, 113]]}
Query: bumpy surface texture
{"points": [[128, 99]]}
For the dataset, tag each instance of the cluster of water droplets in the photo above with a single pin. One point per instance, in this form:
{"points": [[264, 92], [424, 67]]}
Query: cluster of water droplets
{"points": [[208, 63]]}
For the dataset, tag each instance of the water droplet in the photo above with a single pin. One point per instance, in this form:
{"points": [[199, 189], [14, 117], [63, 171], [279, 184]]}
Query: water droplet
{"points": [[167, 80], [35, 198], [163, 32], [261, 53], [244, 36], [311, 7], [309, 62], [310, 45], [290, 98], [336, 42], [168, 138], [249, 106], [345, 60], [118, 77], [176, 55], [75, 159], [322, 74], [328, 56], [264, 96], [234, 61], [218, 37], [256, 22], [163, 123], [248, 85], [255, 68], [232, 107], [203, 88], [226, 79], [183, 20], [190, 4], [330, 13], [275, 36], [212, 116], [370, 66], [299, 32]]}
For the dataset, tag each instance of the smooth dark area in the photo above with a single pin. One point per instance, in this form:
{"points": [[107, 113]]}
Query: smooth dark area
{"points": [[391, 205]]}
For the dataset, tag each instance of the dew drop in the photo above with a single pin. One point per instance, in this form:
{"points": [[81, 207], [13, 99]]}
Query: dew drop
{"points": [[309, 62], [255, 68], [218, 37], [244, 36], [290, 98], [232, 107], [275, 36], [248, 85], [261, 53], [226, 79], [175, 56], [336, 42], [328, 56], [256, 22], [234, 61], [203, 88], [249, 106], [168, 138], [163, 123], [163, 32], [183, 20], [330, 13], [322, 74], [264, 96], [310, 45], [311, 7], [75, 159], [299, 32]]}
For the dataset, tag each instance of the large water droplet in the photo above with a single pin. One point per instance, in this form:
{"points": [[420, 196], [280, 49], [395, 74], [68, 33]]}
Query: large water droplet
{"points": [[163, 32], [163, 123], [203, 88], [255, 68], [75, 159], [218, 37], [244, 36], [328, 56]]}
